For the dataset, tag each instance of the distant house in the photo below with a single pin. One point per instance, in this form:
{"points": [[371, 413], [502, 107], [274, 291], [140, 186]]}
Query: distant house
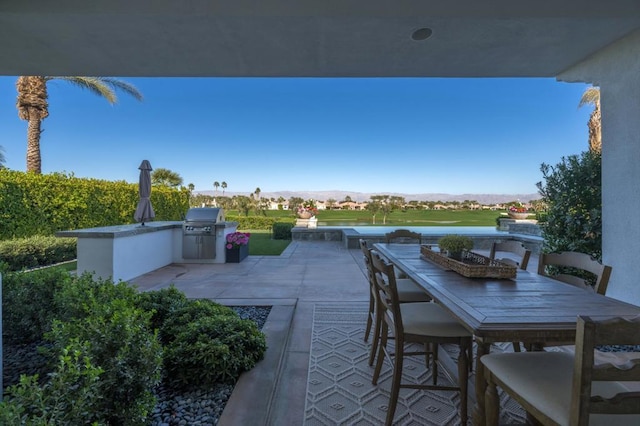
{"points": [[351, 205]]}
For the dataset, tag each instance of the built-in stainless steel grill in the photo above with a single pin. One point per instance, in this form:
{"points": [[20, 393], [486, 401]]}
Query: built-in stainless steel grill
{"points": [[199, 232]]}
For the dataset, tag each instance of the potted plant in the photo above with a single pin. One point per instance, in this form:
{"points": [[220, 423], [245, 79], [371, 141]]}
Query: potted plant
{"points": [[237, 245], [518, 212], [454, 245], [307, 210]]}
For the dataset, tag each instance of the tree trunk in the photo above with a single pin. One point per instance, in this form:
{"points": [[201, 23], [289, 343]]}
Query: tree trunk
{"points": [[595, 131], [34, 161]]}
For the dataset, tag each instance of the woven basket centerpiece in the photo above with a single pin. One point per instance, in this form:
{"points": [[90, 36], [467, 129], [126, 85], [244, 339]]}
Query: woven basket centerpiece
{"points": [[472, 265]]}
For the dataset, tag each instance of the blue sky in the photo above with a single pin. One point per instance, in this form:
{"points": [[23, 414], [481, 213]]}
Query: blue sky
{"points": [[406, 135]]}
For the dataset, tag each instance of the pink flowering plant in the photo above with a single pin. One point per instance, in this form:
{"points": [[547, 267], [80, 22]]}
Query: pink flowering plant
{"points": [[518, 209], [308, 206], [237, 239]]}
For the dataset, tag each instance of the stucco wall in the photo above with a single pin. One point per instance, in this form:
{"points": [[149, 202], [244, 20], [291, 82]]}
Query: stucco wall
{"points": [[616, 69]]}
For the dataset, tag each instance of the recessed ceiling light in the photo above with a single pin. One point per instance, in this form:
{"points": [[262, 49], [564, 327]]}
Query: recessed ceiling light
{"points": [[421, 34]]}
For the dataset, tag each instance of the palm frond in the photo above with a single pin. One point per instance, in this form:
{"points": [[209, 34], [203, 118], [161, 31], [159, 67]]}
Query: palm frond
{"points": [[104, 87], [591, 96]]}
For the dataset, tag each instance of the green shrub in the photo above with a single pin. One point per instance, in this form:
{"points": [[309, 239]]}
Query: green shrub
{"points": [[257, 222], [192, 311], [121, 344], [68, 397], [206, 342], [214, 349], [31, 252], [129, 354], [573, 195], [162, 303], [85, 295], [29, 303], [32, 204], [282, 231]]}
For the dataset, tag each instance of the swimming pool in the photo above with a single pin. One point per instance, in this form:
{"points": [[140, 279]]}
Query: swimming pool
{"points": [[428, 230]]}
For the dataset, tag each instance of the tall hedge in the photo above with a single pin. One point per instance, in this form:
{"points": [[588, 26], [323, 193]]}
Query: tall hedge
{"points": [[32, 204]]}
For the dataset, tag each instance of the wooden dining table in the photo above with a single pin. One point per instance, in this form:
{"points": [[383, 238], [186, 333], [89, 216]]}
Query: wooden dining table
{"points": [[529, 308]]}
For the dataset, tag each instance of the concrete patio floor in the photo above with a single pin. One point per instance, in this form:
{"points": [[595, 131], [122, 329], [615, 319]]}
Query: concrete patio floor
{"points": [[307, 272]]}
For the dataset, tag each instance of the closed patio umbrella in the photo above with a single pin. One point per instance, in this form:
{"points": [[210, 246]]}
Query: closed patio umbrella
{"points": [[144, 211]]}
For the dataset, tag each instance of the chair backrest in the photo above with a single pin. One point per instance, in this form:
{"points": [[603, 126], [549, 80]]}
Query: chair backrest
{"points": [[366, 252], [576, 260], [597, 390], [385, 279], [403, 236], [511, 246]]}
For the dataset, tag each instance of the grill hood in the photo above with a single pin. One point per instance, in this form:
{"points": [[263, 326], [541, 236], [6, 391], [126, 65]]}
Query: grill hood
{"points": [[204, 214]]}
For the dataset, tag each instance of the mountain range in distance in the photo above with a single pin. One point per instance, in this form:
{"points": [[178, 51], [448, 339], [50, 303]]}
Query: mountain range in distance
{"points": [[486, 199]]}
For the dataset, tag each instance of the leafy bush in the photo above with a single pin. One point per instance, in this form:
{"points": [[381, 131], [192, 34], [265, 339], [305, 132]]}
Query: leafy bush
{"points": [[162, 303], [32, 204], [282, 231], [192, 311], [86, 295], [121, 343], [257, 222], [29, 303], [31, 252], [573, 194], [206, 342], [68, 397], [214, 349]]}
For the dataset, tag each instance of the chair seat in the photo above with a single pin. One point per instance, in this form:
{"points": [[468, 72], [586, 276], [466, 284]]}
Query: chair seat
{"points": [[430, 319], [409, 291], [545, 379]]}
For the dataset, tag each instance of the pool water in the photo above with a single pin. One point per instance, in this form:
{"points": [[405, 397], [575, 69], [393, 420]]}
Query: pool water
{"points": [[428, 230]]}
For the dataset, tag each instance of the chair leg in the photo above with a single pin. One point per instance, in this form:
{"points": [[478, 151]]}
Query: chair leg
{"points": [[376, 336], [428, 348], [372, 304], [434, 369], [491, 404], [384, 336], [463, 380], [395, 383]]}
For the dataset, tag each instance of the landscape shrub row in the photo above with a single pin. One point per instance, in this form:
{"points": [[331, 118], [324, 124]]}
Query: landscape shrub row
{"points": [[32, 204], [108, 346], [282, 230], [36, 251], [258, 222]]}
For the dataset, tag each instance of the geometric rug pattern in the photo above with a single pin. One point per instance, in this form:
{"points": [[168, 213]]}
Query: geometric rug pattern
{"points": [[339, 389]]}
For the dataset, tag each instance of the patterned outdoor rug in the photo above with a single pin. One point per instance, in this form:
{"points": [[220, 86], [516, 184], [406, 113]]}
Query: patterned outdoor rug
{"points": [[339, 389]]}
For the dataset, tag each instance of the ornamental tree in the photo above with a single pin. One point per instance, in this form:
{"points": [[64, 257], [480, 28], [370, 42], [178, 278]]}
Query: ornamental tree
{"points": [[572, 193]]}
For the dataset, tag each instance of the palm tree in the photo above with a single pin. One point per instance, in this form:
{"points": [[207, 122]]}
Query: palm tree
{"points": [[2, 159], [165, 177], [33, 106], [257, 192], [224, 186], [591, 96], [216, 185]]}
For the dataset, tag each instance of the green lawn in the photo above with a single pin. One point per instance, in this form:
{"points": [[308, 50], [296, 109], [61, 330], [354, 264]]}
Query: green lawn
{"points": [[399, 218], [260, 243]]}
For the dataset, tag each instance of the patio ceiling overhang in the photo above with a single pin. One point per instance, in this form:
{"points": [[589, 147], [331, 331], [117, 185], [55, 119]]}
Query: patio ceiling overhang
{"points": [[307, 38]]}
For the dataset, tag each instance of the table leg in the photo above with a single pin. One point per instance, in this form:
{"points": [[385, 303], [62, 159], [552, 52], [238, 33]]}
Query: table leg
{"points": [[481, 384]]}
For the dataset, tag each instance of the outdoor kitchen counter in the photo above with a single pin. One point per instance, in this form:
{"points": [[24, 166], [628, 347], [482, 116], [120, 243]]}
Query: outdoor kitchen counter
{"points": [[123, 252], [119, 231]]}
